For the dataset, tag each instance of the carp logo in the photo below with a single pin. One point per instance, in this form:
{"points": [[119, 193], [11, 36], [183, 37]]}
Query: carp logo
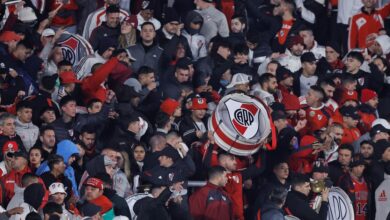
{"points": [[244, 117], [69, 49]]}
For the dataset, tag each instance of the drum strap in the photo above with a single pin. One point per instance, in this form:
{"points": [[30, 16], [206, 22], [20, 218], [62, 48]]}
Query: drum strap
{"points": [[287, 210]]}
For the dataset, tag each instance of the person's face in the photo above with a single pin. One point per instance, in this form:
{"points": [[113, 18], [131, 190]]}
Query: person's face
{"points": [[369, 3], [242, 57], [352, 64], [311, 98], [195, 25], [350, 122], [139, 153], [22, 53], [126, 28], [134, 127], [271, 68], [272, 85], [147, 14], [319, 176], [46, 39], [148, 33], [308, 38], [182, 75], [148, 78], [18, 163], [58, 198], [8, 129], [331, 55], [337, 134], [329, 90], [373, 102], [110, 170], [381, 136], [95, 108], [358, 170], [135, 101], [60, 167], [224, 52], [108, 53], [180, 51], [379, 63], [112, 20], [297, 49], [345, 157], [386, 155], [165, 161], [177, 112], [223, 181], [48, 138], [35, 156], [88, 139], [199, 114], [236, 26], [309, 67], [231, 163], [282, 171], [25, 115], [92, 193], [71, 160], [304, 188], [172, 27], [69, 109], [366, 150], [113, 155], [278, 10], [57, 56], [64, 69]]}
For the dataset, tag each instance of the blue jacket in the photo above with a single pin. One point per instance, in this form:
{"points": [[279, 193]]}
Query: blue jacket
{"points": [[66, 149]]}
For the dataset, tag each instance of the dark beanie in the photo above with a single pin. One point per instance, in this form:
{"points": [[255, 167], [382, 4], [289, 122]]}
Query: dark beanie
{"points": [[335, 46], [380, 147], [112, 9], [105, 44], [170, 15], [32, 194], [48, 82]]}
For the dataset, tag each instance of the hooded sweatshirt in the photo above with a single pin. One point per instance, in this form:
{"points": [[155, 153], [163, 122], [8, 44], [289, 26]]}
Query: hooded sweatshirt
{"points": [[93, 167], [66, 149], [28, 132], [196, 41]]}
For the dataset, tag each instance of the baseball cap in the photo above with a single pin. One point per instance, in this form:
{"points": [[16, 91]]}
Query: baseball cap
{"points": [[10, 146], [381, 121], [238, 79], [170, 152], [68, 77], [348, 96], [8, 36], [350, 111], [89, 210], [57, 187], [283, 73], [380, 147], [48, 32], [199, 104], [384, 42], [378, 129], [169, 106], [308, 57], [320, 167], [95, 182]]}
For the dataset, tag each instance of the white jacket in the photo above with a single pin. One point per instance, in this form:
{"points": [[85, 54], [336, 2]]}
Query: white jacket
{"points": [[347, 9], [156, 23], [84, 66], [291, 62], [197, 44], [28, 132], [317, 50]]}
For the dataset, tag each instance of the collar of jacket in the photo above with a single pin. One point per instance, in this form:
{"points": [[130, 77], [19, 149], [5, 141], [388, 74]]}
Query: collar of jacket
{"points": [[367, 13], [299, 195]]}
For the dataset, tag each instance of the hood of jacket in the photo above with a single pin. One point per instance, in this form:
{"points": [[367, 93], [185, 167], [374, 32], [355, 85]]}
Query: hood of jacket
{"points": [[192, 16], [96, 165], [32, 192], [66, 149]]}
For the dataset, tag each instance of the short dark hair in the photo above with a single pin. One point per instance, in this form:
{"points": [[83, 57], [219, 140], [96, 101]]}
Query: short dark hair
{"points": [[266, 77], [356, 55], [64, 63], [112, 9], [366, 142], [66, 99], [147, 23], [26, 43], [27, 178], [162, 119], [319, 90], [215, 171], [278, 195], [45, 128], [52, 207], [328, 82], [90, 129], [33, 216], [22, 105], [145, 70], [36, 148], [299, 179], [93, 101], [53, 159], [347, 147], [241, 18], [241, 48]]}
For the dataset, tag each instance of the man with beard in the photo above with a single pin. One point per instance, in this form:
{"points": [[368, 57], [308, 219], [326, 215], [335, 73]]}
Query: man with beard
{"points": [[306, 76], [367, 151], [285, 80], [87, 140], [350, 122], [329, 88], [335, 134], [267, 87], [339, 167], [292, 58], [47, 137]]}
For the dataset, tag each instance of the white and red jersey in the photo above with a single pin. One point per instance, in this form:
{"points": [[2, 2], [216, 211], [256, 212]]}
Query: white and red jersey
{"points": [[361, 199], [96, 18]]}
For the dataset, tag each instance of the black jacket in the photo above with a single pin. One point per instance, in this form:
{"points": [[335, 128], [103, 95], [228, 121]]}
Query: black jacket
{"points": [[39, 102], [120, 204], [298, 204], [123, 140], [188, 128], [335, 172], [149, 208], [373, 80], [103, 33]]}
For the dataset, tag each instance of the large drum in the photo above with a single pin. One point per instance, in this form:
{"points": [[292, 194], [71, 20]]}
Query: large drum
{"points": [[340, 206], [74, 47], [240, 124]]}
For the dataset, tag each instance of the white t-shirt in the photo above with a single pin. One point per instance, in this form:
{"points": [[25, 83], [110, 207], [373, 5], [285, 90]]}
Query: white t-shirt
{"points": [[306, 83]]}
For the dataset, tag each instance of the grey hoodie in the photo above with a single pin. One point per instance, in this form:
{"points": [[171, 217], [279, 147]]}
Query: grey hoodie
{"points": [[28, 132]]}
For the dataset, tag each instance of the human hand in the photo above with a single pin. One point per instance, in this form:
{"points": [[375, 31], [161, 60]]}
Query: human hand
{"points": [[152, 86], [199, 133], [14, 211], [325, 194], [54, 12]]}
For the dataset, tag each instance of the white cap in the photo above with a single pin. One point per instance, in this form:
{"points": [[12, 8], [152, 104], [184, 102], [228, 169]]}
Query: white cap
{"points": [[381, 121], [48, 32], [238, 79], [57, 188], [27, 14], [384, 42]]}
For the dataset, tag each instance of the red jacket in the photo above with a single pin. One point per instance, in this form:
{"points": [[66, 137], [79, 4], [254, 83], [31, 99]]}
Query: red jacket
{"points": [[364, 24], [210, 202], [91, 85], [103, 202], [65, 17], [12, 178]]}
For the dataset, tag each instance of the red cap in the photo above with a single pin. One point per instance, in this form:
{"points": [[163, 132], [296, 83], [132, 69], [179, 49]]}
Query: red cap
{"points": [[132, 20], [295, 40], [10, 146], [68, 77], [199, 104], [169, 106], [7, 36], [367, 95], [95, 182], [347, 96], [290, 102]]}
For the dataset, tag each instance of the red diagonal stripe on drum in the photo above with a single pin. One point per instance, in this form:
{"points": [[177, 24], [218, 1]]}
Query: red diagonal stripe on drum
{"points": [[250, 107], [239, 127]]}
